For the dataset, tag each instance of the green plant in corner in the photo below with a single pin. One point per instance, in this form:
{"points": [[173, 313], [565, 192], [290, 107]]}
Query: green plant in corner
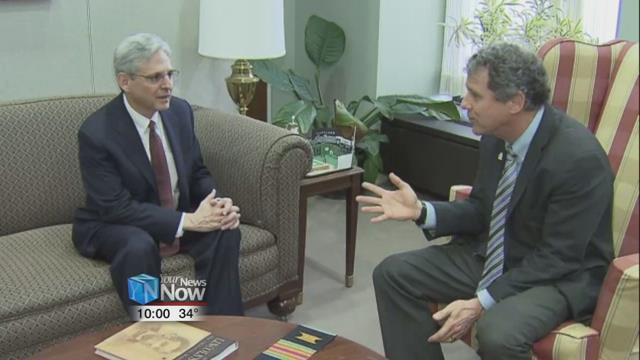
{"points": [[325, 44], [530, 23]]}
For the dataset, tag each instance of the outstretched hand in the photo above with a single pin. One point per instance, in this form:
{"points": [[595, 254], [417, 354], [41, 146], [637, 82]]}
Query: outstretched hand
{"points": [[400, 204]]}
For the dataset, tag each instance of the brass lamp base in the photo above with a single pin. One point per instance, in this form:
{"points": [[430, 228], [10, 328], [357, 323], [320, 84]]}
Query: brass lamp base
{"points": [[242, 84]]}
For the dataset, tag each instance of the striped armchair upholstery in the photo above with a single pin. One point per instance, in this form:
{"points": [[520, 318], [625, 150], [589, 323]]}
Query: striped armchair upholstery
{"points": [[598, 85]]}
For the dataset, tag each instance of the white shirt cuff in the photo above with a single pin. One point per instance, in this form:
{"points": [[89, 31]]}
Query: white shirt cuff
{"points": [[180, 231], [430, 221]]}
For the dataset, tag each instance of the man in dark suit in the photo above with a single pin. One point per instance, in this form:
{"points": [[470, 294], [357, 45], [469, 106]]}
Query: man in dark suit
{"points": [[532, 242], [148, 193]]}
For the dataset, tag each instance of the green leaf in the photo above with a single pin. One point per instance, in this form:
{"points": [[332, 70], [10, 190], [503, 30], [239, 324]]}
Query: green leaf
{"points": [[287, 113], [301, 112], [446, 107], [372, 167], [324, 41], [371, 142], [344, 118], [270, 72], [302, 87], [381, 106], [306, 117], [404, 108], [323, 117]]}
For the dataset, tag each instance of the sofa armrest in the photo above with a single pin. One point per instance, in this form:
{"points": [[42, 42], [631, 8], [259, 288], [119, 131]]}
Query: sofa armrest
{"points": [[259, 166], [616, 314]]}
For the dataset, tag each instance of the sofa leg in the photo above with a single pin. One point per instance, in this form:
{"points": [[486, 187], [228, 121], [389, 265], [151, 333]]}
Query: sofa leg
{"points": [[283, 307]]}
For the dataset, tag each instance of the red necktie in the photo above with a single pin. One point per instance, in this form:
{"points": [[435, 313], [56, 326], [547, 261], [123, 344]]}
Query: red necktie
{"points": [[163, 182]]}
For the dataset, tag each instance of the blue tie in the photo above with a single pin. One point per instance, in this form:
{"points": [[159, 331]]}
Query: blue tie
{"points": [[495, 248]]}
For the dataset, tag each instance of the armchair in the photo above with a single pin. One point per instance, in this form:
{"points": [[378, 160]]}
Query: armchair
{"points": [[598, 85]]}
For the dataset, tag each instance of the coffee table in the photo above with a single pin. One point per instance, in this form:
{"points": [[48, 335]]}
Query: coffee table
{"points": [[254, 335]]}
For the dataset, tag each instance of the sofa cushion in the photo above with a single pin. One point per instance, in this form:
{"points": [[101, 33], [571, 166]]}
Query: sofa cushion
{"points": [[40, 183]]}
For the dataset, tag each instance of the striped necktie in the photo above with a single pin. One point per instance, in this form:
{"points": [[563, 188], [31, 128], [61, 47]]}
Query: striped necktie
{"points": [[163, 182], [494, 260]]}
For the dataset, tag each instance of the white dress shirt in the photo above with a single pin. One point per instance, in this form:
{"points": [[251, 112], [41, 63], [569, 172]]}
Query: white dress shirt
{"points": [[142, 125]]}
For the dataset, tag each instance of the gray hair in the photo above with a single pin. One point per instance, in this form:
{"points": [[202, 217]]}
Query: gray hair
{"points": [[512, 69], [136, 49]]}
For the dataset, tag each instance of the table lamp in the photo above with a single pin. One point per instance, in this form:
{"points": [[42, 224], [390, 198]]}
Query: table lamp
{"points": [[241, 30]]}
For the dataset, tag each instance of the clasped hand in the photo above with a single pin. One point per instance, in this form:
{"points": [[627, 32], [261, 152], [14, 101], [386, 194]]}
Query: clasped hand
{"points": [[213, 214], [401, 204], [456, 319]]}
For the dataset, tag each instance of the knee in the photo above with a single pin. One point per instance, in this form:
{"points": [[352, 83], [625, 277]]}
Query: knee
{"points": [[497, 337], [388, 271], [223, 241], [140, 244]]}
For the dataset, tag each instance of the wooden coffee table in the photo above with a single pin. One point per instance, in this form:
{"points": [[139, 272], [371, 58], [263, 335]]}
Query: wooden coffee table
{"points": [[253, 335]]}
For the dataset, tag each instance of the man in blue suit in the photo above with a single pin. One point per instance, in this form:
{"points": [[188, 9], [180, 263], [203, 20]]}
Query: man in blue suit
{"points": [[148, 193]]}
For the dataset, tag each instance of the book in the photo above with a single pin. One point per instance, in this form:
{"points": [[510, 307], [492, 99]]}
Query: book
{"points": [[331, 151], [165, 341], [299, 344]]}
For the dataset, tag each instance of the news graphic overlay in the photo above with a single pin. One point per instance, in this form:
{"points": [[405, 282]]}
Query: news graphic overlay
{"points": [[168, 298]]}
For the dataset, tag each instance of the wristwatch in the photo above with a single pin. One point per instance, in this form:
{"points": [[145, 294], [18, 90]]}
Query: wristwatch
{"points": [[423, 215]]}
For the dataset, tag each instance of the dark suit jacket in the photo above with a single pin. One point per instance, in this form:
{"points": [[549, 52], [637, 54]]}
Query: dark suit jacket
{"points": [[558, 226], [118, 178]]}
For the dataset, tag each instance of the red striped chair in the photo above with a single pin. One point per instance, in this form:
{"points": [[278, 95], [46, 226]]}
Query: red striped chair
{"points": [[598, 85]]}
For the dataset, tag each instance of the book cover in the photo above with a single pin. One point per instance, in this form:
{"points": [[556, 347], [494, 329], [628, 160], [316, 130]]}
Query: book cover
{"points": [[299, 344], [331, 151], [164, 341]]}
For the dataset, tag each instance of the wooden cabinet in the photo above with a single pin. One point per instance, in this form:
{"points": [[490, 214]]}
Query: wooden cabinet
{"points": [[430, 154]]}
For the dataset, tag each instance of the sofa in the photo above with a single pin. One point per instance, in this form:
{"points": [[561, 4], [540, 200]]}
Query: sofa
{"points": [[48, 292], [598, 86]]}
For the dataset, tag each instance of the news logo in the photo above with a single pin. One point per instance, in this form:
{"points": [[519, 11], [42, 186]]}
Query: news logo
{"points": [[143, 288], [168, 298]]}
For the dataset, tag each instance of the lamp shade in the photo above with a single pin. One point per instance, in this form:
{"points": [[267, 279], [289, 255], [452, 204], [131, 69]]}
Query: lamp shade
{"points": [[241, 29]]}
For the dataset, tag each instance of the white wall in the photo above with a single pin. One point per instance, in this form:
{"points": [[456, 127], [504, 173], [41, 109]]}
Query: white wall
{"points": [[58, 48], [628, 28], [355, 74], [410, 46]]}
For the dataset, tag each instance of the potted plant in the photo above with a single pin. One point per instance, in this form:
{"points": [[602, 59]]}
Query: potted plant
{"points": [[530, 23], [325, 43]]}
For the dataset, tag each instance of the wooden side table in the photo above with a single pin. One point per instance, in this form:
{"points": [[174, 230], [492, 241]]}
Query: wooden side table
{"points": [[348, 180]]}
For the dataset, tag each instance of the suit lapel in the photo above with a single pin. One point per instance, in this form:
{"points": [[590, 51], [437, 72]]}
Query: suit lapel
{"points": [[544, 133], [171, 127], [129, 139]]}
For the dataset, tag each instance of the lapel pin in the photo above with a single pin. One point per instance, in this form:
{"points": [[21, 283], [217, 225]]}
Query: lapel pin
{"points": [[500, 156]]}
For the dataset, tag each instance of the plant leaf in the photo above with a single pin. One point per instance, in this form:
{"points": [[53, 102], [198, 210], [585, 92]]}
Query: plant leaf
{"points": [[372, 167], [302, 87], [324, 41], [301, 112], [270, 72], [344, 118], [446, 107], [287, 113], [371, 142]]}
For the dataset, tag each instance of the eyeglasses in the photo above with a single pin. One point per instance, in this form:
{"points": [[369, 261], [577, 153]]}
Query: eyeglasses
{"points": [[159, 76]]}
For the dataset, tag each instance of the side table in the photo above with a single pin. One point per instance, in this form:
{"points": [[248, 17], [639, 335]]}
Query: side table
{"points": [[348, 180]]}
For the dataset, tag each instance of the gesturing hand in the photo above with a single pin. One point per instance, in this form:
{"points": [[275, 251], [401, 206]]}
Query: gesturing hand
{"points": [[401, 204], [456, 320]]}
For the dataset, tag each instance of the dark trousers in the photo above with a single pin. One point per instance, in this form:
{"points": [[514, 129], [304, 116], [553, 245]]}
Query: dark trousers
{"points": [[404, 284], [132, 251]]}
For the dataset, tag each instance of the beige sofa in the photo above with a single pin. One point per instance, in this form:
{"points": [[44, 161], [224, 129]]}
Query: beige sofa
{"points": [[48, 292]]}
